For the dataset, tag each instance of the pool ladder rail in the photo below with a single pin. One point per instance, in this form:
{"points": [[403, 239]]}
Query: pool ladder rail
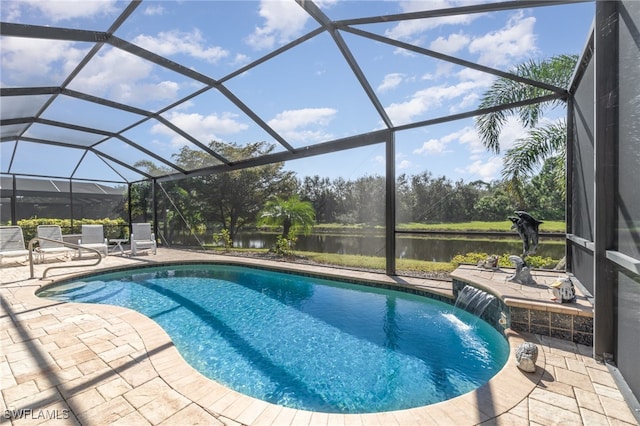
{"points": [[65, 244]]}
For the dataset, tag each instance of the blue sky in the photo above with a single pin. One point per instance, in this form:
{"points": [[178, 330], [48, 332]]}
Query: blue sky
{"points": [[307, 95]]}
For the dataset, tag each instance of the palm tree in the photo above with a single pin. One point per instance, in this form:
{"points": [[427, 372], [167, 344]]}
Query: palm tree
{"points": [[542, 142], [292, 214]]}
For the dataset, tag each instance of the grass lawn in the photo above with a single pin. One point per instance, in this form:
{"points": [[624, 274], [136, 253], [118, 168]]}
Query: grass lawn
{"points": [[477, 226], [353, 261], [374, 262], [503, 226]]}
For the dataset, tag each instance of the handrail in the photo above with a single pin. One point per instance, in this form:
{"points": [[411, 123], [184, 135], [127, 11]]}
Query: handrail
{"points": [[66, 244]]}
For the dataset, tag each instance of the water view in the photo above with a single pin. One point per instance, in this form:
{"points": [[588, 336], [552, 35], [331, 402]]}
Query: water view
{"points": [[433, 248]]}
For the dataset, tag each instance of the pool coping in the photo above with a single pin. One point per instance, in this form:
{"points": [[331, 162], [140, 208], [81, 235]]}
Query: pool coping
{"points": [[508, 388]]}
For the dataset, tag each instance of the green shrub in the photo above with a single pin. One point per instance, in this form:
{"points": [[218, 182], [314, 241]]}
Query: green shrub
{"points": [[223, 238], [113, 228], [285, 246], [503, 261]]}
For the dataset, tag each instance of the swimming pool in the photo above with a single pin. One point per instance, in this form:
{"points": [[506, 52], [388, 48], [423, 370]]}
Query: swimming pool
{"points": [[304, 342]]}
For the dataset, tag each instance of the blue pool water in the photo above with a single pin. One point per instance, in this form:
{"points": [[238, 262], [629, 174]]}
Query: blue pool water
{"points": [[304, 342]]}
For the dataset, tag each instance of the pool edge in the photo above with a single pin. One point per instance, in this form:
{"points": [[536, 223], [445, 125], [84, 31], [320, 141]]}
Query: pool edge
{"points": [[500, 394]]}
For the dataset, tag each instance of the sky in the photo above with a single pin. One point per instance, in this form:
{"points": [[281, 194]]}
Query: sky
{"points": [[307, 95]]}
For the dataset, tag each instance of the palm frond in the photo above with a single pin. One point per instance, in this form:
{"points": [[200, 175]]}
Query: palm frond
{"points": [[490, 127], [556, 71], [527, 153]]}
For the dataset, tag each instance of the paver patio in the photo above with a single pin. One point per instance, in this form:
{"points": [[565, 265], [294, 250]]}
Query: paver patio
{"points": [[69, 363]]}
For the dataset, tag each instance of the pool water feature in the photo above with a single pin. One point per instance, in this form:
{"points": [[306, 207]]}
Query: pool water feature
{"points": [[473, 300], [304, 342]]}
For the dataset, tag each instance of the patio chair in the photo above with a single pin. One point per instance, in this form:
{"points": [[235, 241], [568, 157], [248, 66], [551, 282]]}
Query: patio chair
{"points": [[142, 238], [52, 232], [12, 242], [93, 237]]}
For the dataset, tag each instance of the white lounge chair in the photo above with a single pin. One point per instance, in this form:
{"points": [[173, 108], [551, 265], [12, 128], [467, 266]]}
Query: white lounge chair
{"points": [[52, 232], [93, 237], [12, 242], [142, 238]]}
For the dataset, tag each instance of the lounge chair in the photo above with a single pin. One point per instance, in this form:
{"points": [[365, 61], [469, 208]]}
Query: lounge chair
{"points": [[52, 232], [93, 237], [12, 242], [142, 238]]}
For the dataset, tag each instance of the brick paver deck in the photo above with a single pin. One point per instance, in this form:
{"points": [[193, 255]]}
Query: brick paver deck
{"points": [[70, 363]]}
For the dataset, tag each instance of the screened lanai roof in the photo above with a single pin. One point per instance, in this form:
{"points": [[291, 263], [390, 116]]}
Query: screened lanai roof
{"points": [[114, 90]]}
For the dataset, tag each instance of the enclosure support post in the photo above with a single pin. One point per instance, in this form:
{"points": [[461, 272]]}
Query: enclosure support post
{"points": [[568, 215], [605, 147], [130, 210], [14, 201], [154, 195], [71, 204], [390, 205]]}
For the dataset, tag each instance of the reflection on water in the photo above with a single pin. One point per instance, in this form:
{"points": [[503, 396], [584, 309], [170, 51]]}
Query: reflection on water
{"points": [[408, 247]]}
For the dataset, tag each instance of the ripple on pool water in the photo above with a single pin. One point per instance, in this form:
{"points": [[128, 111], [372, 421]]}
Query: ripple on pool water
{"points": [[307, 343]]}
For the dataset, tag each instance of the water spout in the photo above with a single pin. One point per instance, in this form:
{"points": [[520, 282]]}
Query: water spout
{"points": [[473, 300]]}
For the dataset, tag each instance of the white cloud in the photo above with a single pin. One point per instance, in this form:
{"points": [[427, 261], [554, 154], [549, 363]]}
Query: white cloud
{"points": [[47, 60], [485, 170], [121, 76], [11, 12], [514, 42], [174, 42], [452, 44], [410, 29], [471, 138], [426, 99], [154, 10], [404, 164], [466, 102], [240, 59], [303, 125], [482, 79], [284, 21], [427, 76], [203, 128], [390, 81], [400, 164], [432, 146], [465, 135], [71, 9], [512, 130]]}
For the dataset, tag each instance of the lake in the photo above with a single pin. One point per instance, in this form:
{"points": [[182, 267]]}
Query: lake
{"points": [[422, 247]]}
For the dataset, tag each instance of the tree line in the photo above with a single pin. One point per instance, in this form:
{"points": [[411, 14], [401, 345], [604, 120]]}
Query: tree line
{"points": [[233, 200]]}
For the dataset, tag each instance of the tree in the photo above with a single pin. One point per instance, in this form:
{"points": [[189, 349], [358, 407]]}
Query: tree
{"points": [[495, 205], [543, 197], [542, 141], [433, 198], [233, 199], [367, 199], [142, 192], [405, 199], [292, 214], [319, 192]]}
